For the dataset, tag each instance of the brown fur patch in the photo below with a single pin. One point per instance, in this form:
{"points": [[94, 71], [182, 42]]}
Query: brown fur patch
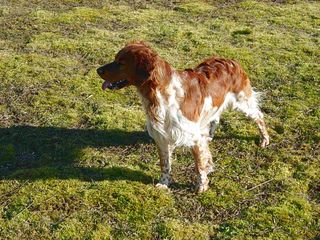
{"points": [[214, 77]]}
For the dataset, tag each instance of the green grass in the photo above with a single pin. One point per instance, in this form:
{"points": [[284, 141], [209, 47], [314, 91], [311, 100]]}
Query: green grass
{"points": [[75, 162]]}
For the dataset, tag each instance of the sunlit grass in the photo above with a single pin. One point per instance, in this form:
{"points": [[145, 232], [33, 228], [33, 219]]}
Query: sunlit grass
{"points": [[75, 161]]}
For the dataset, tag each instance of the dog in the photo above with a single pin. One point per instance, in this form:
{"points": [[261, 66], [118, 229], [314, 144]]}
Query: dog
{"points": [[183, 107]]}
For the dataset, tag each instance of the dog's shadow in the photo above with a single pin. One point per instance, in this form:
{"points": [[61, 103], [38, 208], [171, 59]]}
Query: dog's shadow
{"points": [[33, 153]]}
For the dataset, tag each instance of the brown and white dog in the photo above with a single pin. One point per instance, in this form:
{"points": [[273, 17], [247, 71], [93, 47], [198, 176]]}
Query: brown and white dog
{"points": [[183, 106]]}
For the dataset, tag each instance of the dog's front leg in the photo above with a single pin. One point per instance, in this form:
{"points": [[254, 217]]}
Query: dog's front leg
{"points": [[204, 165], [165, 152]]}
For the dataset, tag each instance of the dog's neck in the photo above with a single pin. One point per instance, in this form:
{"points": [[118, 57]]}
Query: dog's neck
{"points": [[155, 86]]}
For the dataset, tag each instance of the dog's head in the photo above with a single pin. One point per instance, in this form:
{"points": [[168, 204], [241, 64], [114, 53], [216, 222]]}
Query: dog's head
{"points": [[132, 66]]}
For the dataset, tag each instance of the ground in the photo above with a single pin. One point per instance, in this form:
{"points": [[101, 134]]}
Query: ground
{"points": [[75, 161]]}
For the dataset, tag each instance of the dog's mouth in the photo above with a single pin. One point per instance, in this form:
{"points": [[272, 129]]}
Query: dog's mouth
{"points": [[114, 86]]}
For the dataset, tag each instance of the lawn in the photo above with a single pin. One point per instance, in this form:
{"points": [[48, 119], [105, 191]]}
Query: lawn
{"points": [[76, 162]]}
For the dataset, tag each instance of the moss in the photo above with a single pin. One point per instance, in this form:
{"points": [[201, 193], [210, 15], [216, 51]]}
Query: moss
{"points": [[175, 229], [195, 7], [75, 161]]}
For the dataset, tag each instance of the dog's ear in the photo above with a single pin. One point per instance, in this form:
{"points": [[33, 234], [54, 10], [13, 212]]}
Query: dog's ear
{"points": [[145, 65], [143, 74]]}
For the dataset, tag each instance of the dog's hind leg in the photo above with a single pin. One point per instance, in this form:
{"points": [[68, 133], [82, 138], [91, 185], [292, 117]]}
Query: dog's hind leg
{"points": [[165, 151], [213, 127], [204, 165], [249, 106]]}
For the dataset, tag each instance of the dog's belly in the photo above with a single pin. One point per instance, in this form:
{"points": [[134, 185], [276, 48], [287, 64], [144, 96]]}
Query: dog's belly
{"points": [[174, 133], [175, 129]]}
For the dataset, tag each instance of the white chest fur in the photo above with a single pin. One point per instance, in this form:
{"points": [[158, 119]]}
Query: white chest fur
{"points": [[172, 126]]}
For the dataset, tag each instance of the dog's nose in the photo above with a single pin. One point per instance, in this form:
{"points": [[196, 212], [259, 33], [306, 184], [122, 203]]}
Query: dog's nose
{"points": [[100, 71]]}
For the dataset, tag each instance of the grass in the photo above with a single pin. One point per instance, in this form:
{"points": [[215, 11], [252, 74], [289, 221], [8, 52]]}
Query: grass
{"points": [[75, 162]]}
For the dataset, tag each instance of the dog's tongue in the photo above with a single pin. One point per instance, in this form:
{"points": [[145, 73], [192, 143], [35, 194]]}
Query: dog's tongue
{"points": [[105, 85]]}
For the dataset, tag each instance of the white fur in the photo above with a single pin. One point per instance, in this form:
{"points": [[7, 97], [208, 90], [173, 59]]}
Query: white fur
{"points": [[172, 126]]}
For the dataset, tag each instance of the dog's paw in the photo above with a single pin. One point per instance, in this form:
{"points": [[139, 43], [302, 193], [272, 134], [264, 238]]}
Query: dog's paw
{"points": [[162, 186], [202, 188], [265, 142]]}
